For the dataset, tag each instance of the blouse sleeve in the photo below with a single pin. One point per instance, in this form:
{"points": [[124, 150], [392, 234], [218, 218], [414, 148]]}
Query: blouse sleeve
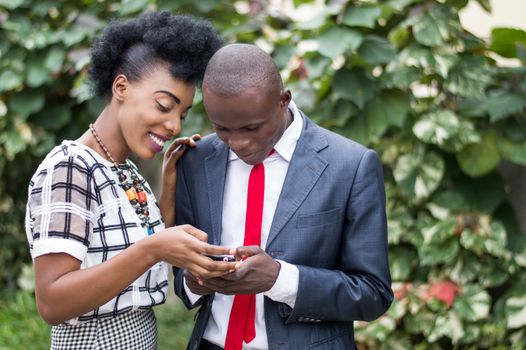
{"points": [[61, 209]]}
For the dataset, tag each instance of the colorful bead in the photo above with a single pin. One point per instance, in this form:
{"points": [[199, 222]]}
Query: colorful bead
{"points": [[133, 189], [131, 193], [122, 177], [141, 196]]}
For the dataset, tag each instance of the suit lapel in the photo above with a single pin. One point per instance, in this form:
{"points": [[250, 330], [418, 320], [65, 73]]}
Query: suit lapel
{"points": [[305, 169], [215, 173]]}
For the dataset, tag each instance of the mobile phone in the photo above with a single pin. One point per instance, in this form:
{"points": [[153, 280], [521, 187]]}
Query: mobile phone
{"points": [[226, 258]]}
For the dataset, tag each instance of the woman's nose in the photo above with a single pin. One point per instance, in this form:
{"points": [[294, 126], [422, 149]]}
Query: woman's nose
{"points": [[173, 126]]}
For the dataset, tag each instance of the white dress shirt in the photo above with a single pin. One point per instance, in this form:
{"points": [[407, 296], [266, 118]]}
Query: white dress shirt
{"points": [[233, 230]]}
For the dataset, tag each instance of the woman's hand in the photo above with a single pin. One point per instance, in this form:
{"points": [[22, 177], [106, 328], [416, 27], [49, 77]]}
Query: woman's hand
{"points": [[184, 246], [171, 156]]}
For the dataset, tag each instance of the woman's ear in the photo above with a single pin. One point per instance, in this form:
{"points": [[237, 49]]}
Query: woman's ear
{"points": [[120, 86]]}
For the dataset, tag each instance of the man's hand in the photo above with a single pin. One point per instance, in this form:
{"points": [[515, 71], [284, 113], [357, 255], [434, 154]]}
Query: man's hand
{"points": [[193, 283], [256, 274]]}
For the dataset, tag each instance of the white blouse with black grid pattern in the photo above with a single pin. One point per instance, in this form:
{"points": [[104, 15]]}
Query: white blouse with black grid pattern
{"points": [[76, 206]]}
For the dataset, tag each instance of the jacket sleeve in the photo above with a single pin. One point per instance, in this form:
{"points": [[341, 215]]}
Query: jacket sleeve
{"points": [[360, 289], [183, 215]]}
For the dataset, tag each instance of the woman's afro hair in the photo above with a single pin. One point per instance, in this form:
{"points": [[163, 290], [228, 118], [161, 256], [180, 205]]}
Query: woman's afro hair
{"points": [[134, 47]]}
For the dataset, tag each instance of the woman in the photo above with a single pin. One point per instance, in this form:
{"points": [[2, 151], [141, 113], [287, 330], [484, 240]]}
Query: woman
{"points": [[95, 231]]}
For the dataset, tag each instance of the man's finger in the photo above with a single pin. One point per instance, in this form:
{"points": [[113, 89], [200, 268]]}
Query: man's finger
{"points": [[244, 252]]}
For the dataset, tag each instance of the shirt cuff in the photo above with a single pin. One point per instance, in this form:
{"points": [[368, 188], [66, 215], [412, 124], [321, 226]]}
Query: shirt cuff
{"points": [[192, 297], [59, 245], [285, 289]]}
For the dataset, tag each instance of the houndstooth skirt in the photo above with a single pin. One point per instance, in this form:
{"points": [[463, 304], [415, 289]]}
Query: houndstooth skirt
{"points": [[131, 330]]}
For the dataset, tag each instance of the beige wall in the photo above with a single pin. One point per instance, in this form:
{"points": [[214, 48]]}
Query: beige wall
{"points": [[506, 13]]}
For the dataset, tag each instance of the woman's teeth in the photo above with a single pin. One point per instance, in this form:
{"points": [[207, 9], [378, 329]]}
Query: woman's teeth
{"points": [[157, 140]]}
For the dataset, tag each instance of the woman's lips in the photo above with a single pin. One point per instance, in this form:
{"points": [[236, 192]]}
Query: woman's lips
{"points": [[157, 142]]}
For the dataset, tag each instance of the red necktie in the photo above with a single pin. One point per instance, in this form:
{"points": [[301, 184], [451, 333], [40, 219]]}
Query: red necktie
{"points": [[242, 323]]}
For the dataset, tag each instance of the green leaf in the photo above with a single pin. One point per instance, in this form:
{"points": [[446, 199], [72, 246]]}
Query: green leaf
{"points": [[398, 36], [511, 150], [501, 104], [421, 56], [472, 304], [337, 39], [55, 59], [486, 239], [438, 253], [314, 22], [11, 4], [3, 109], [9, 80], [493, 275], [399, 5], [486, 5], [419, 173], [362, 16], [504, 41], [13, 143], [516, 312], [353, 85], [27, 102], [436, 26], [479, 158], [206, 5], [74, 35], [53, 117], [449, 326], [465, 195], [341, 112], [376, 50], [129, 7], [469, 77], [282, 55], [316, 66], [37, 75], [446, 130], [466, 268], [439, 232], [400, 77], [389, 108], [401, 260]]}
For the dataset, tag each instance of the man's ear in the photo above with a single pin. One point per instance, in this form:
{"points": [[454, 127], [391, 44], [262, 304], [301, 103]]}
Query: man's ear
{"points": [[285, 97], [119, 88]]}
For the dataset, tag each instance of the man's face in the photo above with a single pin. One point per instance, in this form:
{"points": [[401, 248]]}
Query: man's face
{"points": [[250, 123]]}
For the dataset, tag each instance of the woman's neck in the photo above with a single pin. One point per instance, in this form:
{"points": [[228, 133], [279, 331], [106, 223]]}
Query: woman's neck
{"points": [[109, 133]]}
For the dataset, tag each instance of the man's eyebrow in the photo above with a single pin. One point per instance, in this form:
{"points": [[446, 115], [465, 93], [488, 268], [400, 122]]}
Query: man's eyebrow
{"points": [[177, 100]]}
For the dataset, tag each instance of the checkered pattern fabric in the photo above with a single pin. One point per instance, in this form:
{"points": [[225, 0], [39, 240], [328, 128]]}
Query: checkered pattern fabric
{"points": [[132, 330], [76, 206]]}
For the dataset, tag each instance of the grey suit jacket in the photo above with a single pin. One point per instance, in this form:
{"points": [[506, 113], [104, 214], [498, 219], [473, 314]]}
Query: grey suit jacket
{"points": [[330, 222]]}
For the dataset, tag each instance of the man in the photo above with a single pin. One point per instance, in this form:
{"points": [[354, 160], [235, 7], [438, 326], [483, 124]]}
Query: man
{"points": [[315, 200]]}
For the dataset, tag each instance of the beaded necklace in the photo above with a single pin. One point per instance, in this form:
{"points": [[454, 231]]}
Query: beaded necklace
{"points": [[133, 189]]}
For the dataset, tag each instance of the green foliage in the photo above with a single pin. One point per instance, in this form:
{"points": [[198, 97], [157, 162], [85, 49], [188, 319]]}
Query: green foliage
{"points": [[22, 328], [401, 76], [20, 324]]}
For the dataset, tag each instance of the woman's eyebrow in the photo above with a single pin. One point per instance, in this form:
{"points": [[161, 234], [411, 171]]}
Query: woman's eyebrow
{"points": [[177, 100]]}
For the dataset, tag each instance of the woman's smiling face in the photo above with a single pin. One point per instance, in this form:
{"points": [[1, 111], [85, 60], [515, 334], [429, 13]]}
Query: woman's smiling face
{"points": [[151, 109]]}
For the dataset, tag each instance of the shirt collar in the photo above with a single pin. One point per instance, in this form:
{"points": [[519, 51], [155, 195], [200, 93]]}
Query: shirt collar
{"points": [[287, 143]]}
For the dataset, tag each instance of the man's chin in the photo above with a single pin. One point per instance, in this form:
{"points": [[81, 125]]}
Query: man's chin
{"points": [[251, 159]]}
